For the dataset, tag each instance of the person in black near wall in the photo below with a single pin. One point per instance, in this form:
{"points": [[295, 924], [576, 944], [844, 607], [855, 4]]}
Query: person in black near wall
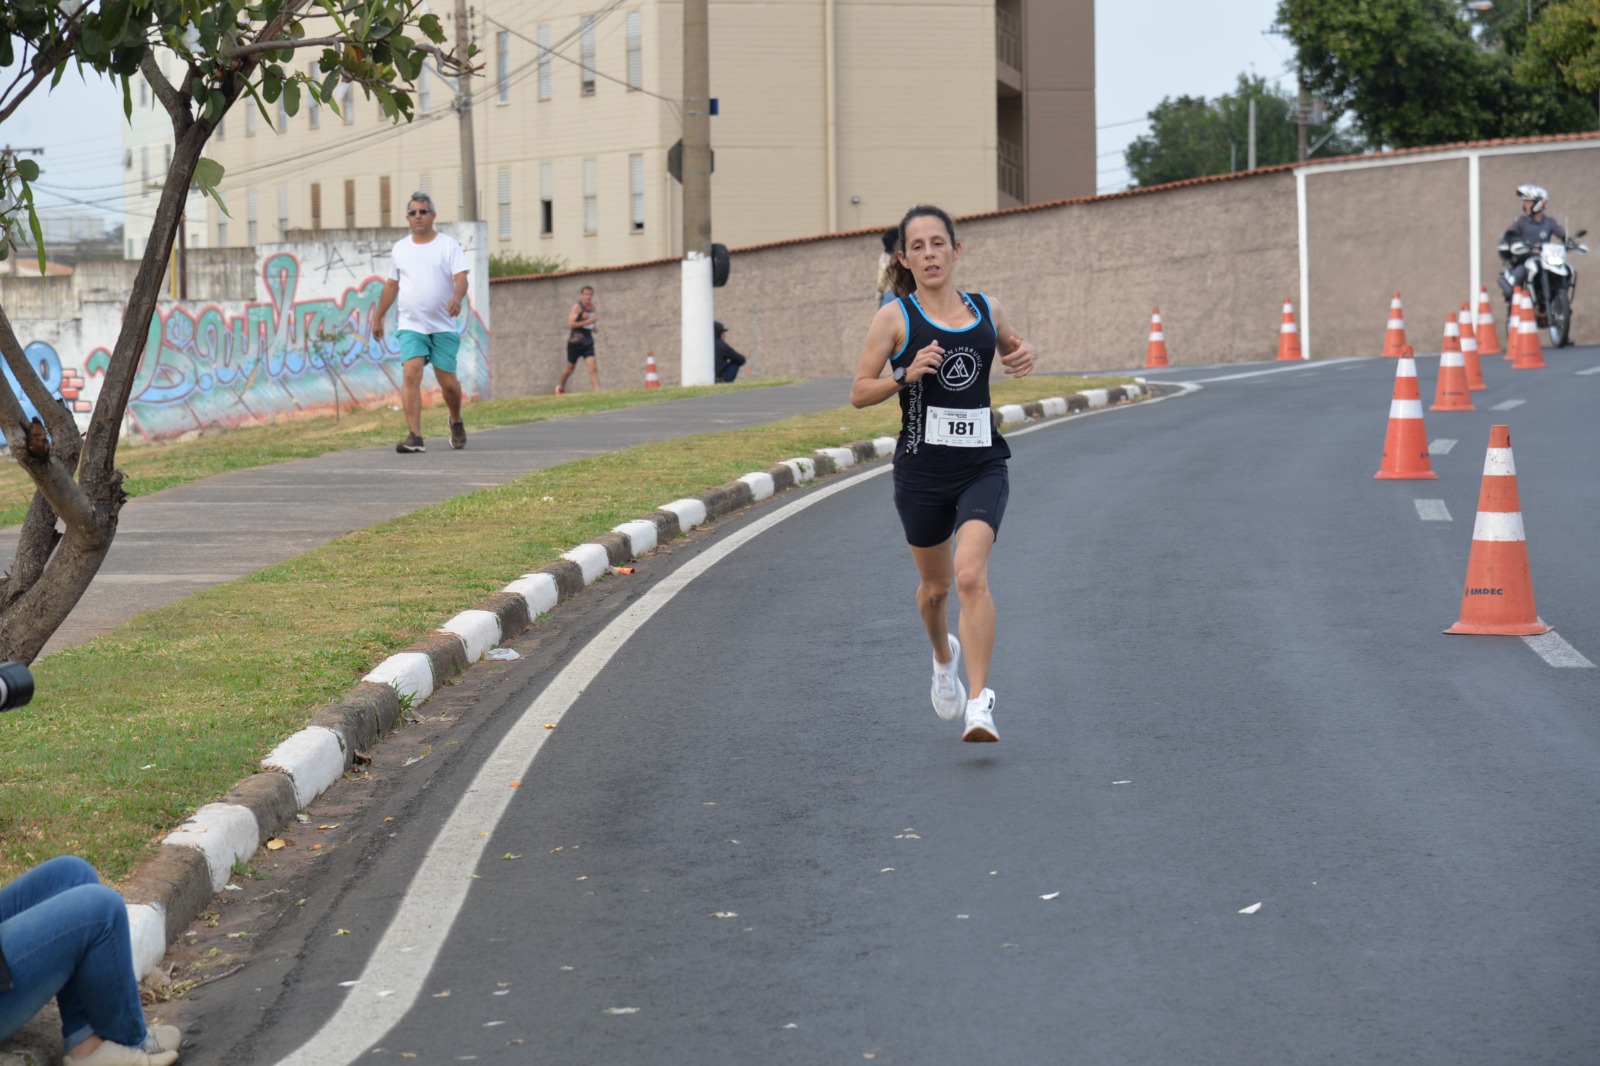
{"points": [[728, 360], [950, 477]]}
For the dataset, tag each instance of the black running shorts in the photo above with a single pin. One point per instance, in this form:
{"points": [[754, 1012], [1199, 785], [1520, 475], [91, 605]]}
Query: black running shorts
{"points": [[583, 349], [932, 507]]}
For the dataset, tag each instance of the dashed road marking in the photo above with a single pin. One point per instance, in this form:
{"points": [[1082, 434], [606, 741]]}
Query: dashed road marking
{"points": [[1432, 510], [1506, 405], [1441, 447], [1591, 370], [1556, 651]]}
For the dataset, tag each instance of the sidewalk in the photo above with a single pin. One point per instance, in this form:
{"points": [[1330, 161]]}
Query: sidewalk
{"points": [[179, 541]]}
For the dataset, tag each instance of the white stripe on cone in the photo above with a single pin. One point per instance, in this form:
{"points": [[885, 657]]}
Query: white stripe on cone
{"points": [[1405, 408], [1498, 463], [1498, 525]]}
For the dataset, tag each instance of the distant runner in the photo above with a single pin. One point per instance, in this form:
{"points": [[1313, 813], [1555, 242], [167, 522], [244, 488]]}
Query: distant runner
{"points": [[950, 473], [582, 321]]}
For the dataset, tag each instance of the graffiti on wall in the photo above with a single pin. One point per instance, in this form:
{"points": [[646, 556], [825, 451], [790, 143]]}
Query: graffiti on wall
{"points": [[214, 366], [64, 383]]}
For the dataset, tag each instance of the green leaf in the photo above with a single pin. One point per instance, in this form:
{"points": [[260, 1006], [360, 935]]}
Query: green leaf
{"points": [[429, 25], [207, 174], [28, 169], [291, 98]]}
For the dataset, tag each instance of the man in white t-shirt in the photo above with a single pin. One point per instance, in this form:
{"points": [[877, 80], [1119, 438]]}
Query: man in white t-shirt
{"points": [[428, 272]]}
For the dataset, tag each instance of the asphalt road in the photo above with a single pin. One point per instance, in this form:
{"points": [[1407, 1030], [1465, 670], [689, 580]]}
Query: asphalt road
{"points": [[1221, 682]]}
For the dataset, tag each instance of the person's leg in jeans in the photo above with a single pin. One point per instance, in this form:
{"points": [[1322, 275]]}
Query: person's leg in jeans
{"points": [[65, 935]]}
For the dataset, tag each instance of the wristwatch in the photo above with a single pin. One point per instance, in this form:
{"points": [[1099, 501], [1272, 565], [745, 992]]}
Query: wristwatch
{"points": [[900, 375]]}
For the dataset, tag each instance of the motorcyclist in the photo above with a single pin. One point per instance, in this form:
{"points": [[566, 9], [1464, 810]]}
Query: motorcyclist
{"points": [[1526, 236]]}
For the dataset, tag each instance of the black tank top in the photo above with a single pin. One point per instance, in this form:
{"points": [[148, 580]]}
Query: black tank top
{"points": [[961, 383]]}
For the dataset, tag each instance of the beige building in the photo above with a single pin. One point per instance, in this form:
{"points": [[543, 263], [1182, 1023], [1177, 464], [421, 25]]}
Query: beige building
{"points": [[833, 115]]}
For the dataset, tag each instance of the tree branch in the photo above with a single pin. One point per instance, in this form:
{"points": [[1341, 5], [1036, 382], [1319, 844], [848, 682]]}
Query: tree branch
{"points": [[45, 63], [176, 103], [259, 46], [62, 426]]}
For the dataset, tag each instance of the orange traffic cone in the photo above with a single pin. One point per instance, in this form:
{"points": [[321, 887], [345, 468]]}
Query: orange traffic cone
{"points": [[1452, 393], [1498, 596], [1288, 335], [1469, 350], [1394, 341], [1405, 445], [1530, 353], [1514, 326], [652, 380], [1488, 340], [1156, 354]]}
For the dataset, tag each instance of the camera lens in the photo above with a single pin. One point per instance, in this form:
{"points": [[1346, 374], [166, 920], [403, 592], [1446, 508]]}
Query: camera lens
{"points": [[16, 685]]}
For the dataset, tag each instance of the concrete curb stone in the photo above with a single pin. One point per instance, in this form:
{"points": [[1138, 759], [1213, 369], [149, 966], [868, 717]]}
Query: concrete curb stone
{"points": [[175, 885]]}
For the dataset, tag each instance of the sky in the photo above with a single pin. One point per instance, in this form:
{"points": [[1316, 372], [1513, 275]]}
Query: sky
{"points": [[1145, 51]]}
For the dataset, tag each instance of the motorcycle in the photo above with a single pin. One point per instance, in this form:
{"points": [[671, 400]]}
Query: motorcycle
{"points": [[1552, 281]]}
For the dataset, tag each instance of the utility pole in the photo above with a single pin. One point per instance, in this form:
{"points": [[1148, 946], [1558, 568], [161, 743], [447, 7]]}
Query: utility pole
{"points": [[698, 361], [469, 152], [1250, 151]]}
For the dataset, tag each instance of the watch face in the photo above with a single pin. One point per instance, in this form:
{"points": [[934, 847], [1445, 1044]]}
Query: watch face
{"points": [[900, 374]]}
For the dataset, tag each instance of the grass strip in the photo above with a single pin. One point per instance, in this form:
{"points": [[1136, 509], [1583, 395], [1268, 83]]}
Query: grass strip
{"points": [[132, 732], [151, 466]]}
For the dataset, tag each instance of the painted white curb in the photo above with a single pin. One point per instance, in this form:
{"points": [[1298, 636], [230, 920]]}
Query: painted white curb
{"points": [[761, 485], [690, 513], [539, 591], [883, 446], [802, 469], [642, 536], [222, 832], [1054, 407], [313, 758], [1132, 391], [1096, 397], [1011, 413], [408, 672], [479, 631], [843, 458], [147, 928], [591, 559]]}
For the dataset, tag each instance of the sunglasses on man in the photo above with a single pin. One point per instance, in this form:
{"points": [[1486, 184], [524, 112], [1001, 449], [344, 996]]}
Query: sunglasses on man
{"points": [[414, 214]]}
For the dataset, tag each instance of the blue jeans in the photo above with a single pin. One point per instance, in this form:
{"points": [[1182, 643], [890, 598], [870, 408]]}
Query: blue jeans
{"points": [[65, 935]]}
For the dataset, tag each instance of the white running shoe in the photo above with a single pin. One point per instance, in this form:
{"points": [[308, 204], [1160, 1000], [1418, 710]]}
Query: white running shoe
{"points": [[949, 694], [980, 719]]}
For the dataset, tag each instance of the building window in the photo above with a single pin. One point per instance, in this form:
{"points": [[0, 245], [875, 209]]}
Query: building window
{"points": [[424, 184], [424, 91], [543, 37], [144, 92], [249, 118], [636, 191], [283, 114], [313, 109], [166, 164], [586, 52], [222, 127], [250, 217], [383, 201], [591, 196], [505, 203], [144, 164], [350, 203], [348, 105], [316, 205], [222, 234], [502, 64], [635, 50], [283, 213], [547, 199]]}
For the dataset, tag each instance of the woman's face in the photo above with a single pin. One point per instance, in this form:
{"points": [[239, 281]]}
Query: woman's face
{"points": [[930, 254]]}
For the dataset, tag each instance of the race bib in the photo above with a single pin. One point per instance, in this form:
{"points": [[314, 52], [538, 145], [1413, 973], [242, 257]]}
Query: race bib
{"points": [[957, 427]]}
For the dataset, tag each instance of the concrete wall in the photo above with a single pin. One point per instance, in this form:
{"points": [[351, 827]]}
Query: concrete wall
{"points": [[1079, 278], [298, 343]]}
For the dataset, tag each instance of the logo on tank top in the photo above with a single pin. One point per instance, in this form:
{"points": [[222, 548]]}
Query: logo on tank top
{"points": [[959, 369]]}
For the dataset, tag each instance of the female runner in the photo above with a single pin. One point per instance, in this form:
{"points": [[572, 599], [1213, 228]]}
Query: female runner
{"points": [[949, 463]]}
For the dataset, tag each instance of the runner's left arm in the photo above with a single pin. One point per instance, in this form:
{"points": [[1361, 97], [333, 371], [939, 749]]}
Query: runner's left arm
{"points": [[453, 308], [1016, 354]]}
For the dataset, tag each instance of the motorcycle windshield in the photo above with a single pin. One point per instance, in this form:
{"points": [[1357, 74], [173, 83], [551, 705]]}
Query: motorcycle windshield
{"points": [[1554, 254]]}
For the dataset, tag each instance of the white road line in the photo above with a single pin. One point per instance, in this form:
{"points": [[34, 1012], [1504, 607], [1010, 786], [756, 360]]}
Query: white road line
{"points": [[1591, 370], [1303, 365], [392, 978], [1556, 651], [1506, 405], [1441, 446], [1432, 510]]}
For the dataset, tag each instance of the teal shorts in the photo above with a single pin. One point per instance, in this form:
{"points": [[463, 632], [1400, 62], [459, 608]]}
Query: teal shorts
{"points": [[438, 349]]}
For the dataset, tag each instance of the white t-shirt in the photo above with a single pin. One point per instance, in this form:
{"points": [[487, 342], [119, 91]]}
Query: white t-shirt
{"points": [[427, 277]]}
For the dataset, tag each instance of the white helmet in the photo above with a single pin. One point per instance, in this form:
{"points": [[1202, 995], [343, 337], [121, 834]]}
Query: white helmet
{"points": [[1536, 194]]}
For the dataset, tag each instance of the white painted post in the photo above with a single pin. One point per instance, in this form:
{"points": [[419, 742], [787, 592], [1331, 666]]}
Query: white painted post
{"points": [[699, 318]]}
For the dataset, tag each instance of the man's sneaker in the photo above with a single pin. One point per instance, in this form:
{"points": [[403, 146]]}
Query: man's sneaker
{"points": [[458, 435], [949, 694], [412, 443], [158, 1038], [980, 719]]}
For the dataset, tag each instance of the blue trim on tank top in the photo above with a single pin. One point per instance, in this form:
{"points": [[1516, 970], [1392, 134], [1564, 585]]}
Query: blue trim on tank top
{"points": [[901, 304], [952, 329]]}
